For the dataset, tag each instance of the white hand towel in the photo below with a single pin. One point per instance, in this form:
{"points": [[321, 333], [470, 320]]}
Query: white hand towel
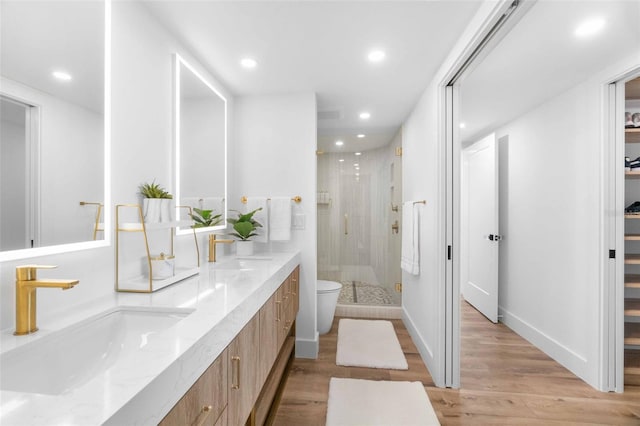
{"points": [[280, 218], [213, 203], [261, 216], [410, 258], [193, 202]]}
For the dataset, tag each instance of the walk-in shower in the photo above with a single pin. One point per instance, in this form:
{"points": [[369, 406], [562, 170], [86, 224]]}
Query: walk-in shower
{"points": [[359, 215]]}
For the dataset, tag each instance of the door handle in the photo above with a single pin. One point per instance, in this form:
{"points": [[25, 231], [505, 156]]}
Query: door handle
{"points": [[346, 224], [395, 227], [494, 237]]}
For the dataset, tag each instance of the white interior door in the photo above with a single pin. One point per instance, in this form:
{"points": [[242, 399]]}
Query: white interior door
{"points": [[480, 227]]}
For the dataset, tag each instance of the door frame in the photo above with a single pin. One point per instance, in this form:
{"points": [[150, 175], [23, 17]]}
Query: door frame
{"points": [[611, 341], [494, 26]]}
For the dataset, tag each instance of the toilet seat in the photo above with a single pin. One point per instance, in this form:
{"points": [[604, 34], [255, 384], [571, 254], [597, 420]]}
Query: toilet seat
{"points": [[328, 286]]}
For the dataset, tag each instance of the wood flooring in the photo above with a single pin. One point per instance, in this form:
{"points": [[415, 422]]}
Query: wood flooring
{"points": [[505, 380]]}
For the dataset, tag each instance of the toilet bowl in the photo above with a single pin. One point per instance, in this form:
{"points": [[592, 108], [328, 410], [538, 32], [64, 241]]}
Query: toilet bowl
{"points": [[327, 294]]}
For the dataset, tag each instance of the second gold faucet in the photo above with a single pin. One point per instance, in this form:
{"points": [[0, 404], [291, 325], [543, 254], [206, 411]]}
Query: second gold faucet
{"points": [[212, 246]]}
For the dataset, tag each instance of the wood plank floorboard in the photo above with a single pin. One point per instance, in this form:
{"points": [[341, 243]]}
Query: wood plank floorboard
{"points": [[505, 381]]}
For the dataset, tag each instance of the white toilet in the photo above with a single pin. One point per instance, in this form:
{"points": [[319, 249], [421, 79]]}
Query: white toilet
{"points": [[327, 293]]}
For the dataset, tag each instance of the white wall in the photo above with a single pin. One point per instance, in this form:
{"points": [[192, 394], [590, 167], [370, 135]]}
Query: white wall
{"points": [[422, 169], [141, 151], [273, 154]]}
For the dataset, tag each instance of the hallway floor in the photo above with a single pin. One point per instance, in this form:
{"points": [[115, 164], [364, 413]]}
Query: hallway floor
{"points": [[505, 380]]}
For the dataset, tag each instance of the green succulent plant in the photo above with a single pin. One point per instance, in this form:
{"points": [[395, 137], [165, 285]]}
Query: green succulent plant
{"points": [[205, 218], [245, 225], [153, 190]]}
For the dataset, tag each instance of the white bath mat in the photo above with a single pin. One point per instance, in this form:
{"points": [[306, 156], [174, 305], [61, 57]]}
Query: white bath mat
{"points": [[368, 402], [367, 343]]}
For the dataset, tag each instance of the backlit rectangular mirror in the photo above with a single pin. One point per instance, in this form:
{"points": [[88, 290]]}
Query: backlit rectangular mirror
{"points": [[200, 148], [54, 112]]}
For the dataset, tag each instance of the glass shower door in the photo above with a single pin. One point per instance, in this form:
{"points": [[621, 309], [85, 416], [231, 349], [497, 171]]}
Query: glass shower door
{"points": [[356, 244]]}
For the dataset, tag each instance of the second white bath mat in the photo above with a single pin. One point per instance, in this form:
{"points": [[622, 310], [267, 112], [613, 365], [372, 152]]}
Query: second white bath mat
{"points": [[368, 343], [355, 402]]}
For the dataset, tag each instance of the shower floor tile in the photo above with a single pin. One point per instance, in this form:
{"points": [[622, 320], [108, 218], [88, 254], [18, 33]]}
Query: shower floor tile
{"points": [[356, 292]]}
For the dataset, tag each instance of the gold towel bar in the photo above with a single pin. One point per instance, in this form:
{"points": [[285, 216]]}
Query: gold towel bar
{"points": [[420, 202], [297, 199]]}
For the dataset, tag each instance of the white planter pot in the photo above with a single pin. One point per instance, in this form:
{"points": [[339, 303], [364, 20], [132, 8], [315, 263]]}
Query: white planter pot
{"points": [[166, 210], [244, 248], [151, 209]]}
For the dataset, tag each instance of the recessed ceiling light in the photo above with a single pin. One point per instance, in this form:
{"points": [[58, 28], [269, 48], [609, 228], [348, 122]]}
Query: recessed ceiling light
{"points": [[341, 160], [357, 174], [365, 115], [589, 27], [358, 153], [355, 164], [357, 168], [248, 63], [61, 75], [376, 55], [462, 125], [339, 143], [360, 136]]}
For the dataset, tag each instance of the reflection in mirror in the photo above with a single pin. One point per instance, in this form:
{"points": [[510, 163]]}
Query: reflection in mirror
{"points": [[52, 111], [201, 141]]}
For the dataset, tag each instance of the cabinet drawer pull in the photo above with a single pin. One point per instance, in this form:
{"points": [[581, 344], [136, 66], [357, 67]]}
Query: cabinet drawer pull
{"points": [[204, 414], [235, 372], [278, 311]]}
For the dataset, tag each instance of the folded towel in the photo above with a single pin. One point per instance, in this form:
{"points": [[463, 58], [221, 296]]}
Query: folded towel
{"points": [[410, 258], [261, 216], [193, 202], [213, 203], [280, 218]]}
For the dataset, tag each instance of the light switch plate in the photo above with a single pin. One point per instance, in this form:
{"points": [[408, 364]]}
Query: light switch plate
{"points": [[298, 221]]}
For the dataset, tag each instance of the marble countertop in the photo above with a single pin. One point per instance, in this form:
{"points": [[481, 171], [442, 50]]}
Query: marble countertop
{"points": [[140, 390]]}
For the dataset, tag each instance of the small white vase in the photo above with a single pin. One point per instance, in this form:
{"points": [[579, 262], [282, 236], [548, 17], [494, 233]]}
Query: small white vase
{"points": [[151, 209], [166, 210], [244, 248]]}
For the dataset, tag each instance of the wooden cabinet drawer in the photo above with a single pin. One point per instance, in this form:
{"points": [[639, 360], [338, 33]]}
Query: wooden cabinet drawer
{"points": [[205, 400]]}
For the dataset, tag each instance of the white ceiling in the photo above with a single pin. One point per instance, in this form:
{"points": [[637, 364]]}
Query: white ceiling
{"points": [[321, 46], [541, 57]]}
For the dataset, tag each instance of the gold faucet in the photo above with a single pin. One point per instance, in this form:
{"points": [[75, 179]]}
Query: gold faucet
{"points": [[212, 246], [26, 285]]}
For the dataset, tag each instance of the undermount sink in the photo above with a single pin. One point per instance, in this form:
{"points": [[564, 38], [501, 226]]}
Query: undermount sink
{"points": [[241, 263], [68, 358]]}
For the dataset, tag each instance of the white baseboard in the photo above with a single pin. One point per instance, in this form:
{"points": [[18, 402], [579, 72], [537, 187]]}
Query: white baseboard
{"points": [[306, 348], [425, 351], [358, 311], [569, 359]]}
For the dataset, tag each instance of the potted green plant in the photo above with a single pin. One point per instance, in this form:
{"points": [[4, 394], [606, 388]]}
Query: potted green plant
{"points": [[157, 203], [245, 227], [205, 218]]}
